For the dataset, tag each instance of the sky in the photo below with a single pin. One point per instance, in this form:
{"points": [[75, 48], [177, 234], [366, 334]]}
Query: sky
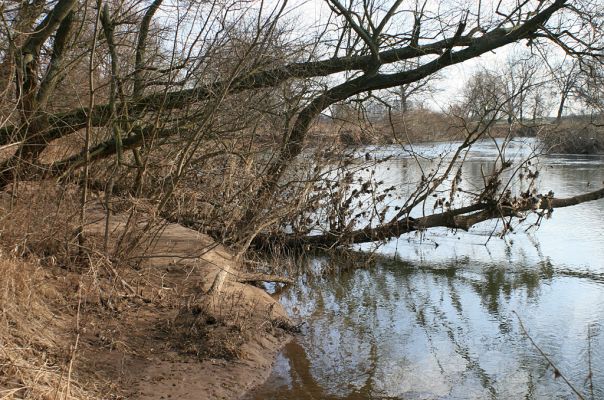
{"points": [[312, 12], [307, 18]]}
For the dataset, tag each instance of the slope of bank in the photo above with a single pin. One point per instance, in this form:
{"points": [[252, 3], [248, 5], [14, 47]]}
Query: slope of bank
{"points": [[144, 325]]}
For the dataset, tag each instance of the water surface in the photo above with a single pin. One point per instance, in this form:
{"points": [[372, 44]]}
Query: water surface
{"points": [[436, 316]]}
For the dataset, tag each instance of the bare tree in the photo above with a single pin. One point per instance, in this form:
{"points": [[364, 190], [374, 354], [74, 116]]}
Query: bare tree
{"points": [[188, 91], [566, 79], [589, 88], [483, 97], [521, 81]]}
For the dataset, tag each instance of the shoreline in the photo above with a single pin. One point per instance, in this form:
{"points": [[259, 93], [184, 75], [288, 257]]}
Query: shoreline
{"points": [[239, 313], [148, 324], [149, 327]]}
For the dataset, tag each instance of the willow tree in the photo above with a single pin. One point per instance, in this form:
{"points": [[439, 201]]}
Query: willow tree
{"points": [[196, 86]]}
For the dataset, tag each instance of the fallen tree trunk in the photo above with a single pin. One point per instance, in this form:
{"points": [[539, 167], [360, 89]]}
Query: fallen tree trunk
{"points": [[64, 123], [462, 218]]}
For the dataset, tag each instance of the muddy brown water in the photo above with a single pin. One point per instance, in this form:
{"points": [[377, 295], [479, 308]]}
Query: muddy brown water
{"points": [[436, 316]]}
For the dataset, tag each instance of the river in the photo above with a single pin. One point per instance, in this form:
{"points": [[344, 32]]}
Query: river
{"points": [[437, 315]]}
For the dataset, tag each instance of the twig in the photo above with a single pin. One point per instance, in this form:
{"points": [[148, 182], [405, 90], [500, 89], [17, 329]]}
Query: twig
{"points": [[108, 265], [557, 372], [74, 349], [590, 372], [257, 277], [88, 132], [8, 146]]}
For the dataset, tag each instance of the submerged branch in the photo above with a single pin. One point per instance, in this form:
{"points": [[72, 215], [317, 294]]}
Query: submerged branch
{"points": [[557, 372]]}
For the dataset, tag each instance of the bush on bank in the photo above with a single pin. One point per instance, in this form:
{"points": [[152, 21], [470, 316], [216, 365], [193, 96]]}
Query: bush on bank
{"points": [[573, 136]]}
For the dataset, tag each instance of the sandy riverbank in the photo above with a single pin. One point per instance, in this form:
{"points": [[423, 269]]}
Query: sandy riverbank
{"points": [[147, 328]]}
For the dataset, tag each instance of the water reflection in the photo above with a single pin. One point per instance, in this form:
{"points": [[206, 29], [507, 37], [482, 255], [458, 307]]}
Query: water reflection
{"points": [[438, 322], [401, 331]]}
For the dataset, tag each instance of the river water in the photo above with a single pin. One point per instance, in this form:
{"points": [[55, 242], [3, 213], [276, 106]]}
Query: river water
{"points": [[437, 315]]}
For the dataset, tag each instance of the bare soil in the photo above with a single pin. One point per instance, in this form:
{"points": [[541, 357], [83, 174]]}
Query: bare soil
{"points": [[149, 328]]}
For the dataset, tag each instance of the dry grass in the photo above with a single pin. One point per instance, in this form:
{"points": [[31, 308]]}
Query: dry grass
{"points": [[40, 219], [38, 222], [414, 126], [197, 332], [34, 360]]}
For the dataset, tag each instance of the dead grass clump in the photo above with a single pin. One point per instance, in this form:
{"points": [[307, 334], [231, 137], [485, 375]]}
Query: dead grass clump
{"points": [[217, 325], [34, 358]]}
